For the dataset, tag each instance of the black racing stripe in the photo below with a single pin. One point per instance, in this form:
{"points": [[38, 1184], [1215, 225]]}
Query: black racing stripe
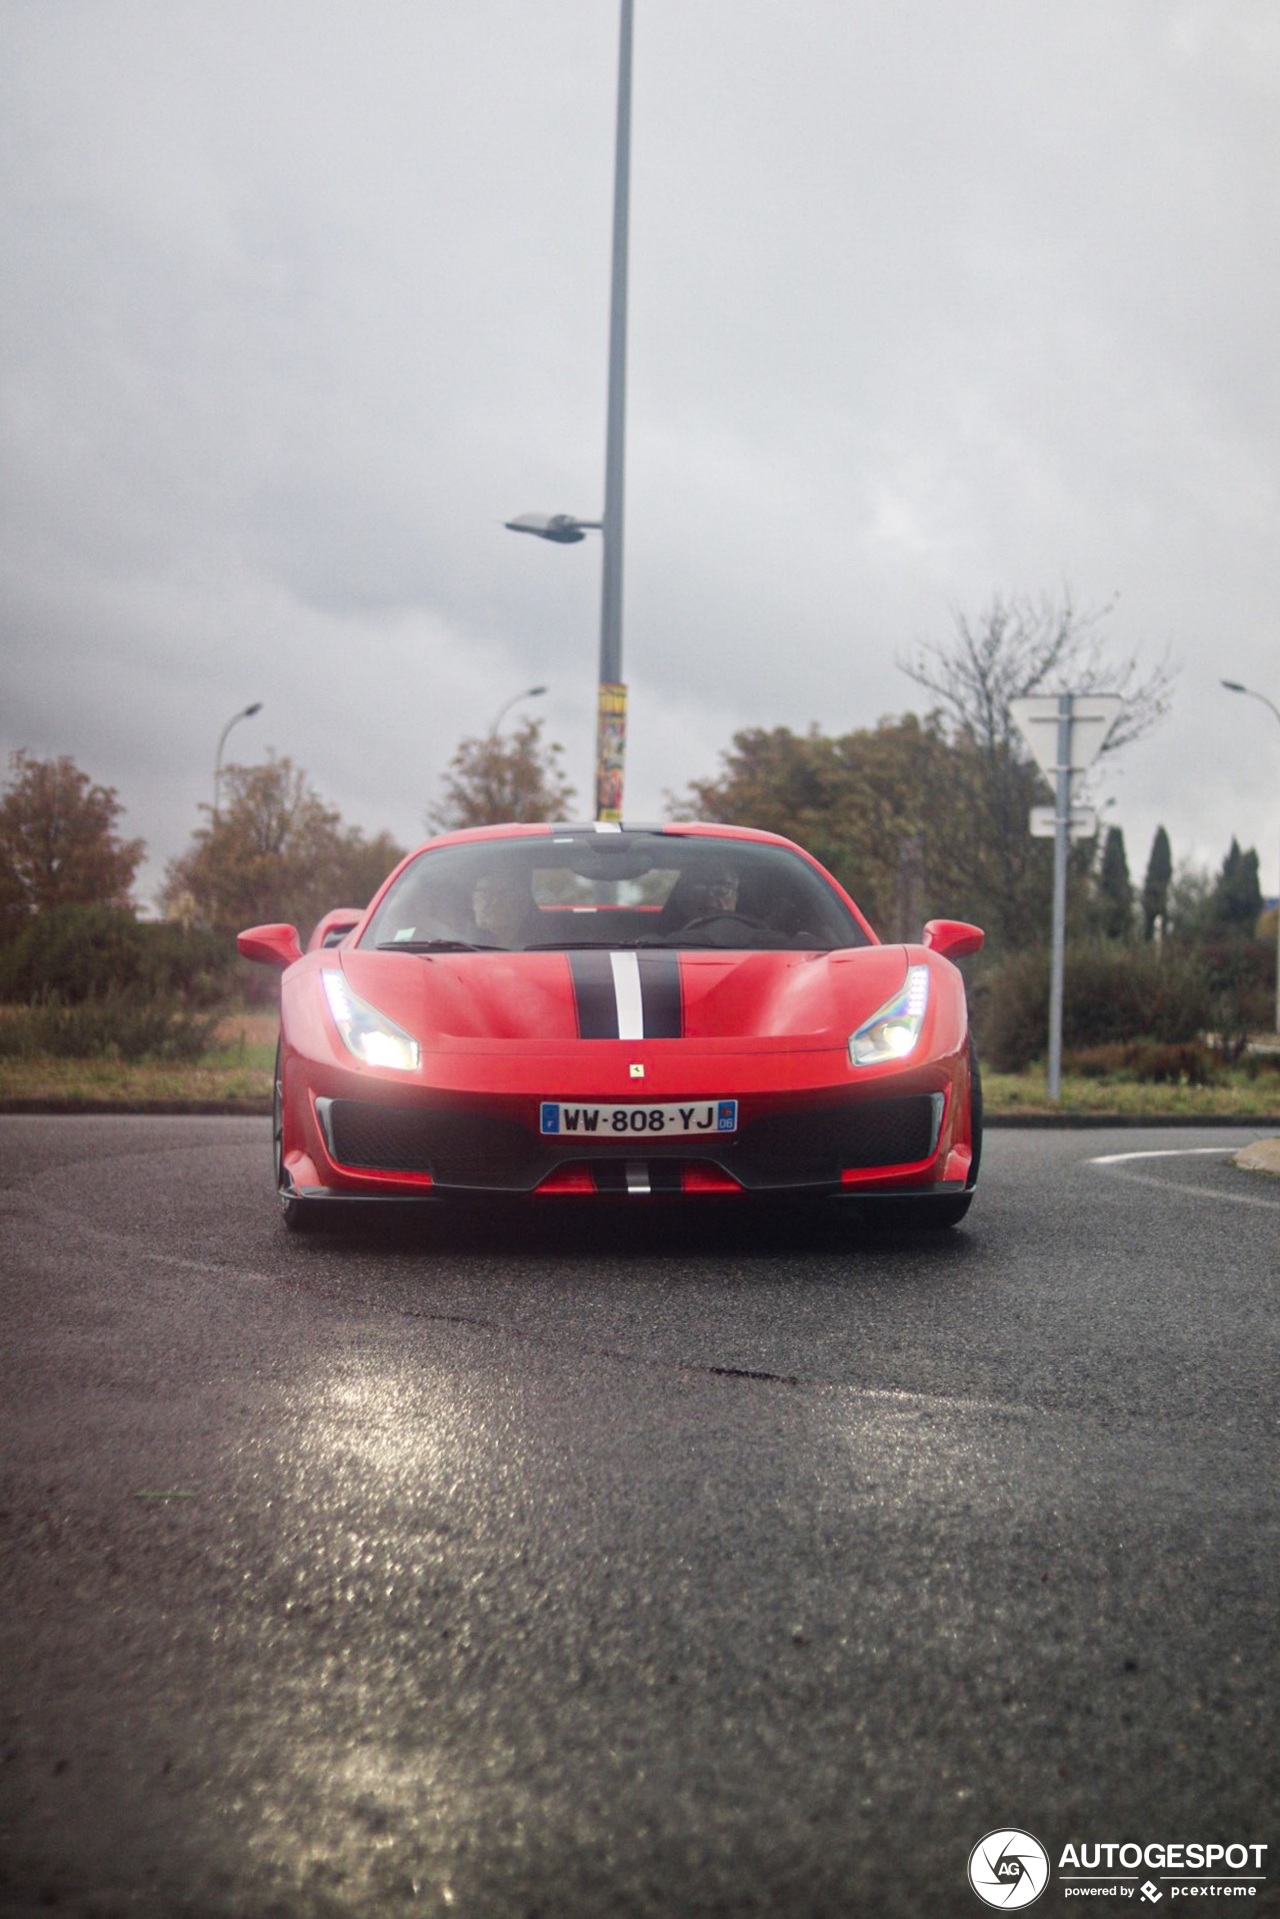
{"points": [[660, 995], [593, 991]]}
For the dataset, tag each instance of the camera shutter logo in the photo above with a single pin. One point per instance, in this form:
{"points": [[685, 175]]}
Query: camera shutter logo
{"points": [[1008, 1869]]}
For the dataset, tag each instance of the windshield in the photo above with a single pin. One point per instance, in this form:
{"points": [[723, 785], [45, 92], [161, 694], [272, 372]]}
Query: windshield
{"points": [[585, 889]]}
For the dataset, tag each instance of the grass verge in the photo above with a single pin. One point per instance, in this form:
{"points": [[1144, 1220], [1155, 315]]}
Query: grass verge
{"points": [[1236, 1094], [236, 1073]]}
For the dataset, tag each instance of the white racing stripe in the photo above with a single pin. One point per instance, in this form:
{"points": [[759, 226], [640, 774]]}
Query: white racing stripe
{"points": [[626, 987]]}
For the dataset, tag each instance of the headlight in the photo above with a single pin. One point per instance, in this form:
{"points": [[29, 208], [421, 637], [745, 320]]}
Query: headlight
{"points": [[893, 1031], [366, 1032]]}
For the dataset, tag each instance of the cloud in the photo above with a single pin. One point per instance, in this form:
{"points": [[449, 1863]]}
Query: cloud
{"points": [[926, 303]]}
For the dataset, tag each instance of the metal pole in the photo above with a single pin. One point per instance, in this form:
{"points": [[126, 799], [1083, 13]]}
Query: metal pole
{"points": [[612, 715], [245, 713], [1061, 830], [1234, 686]]}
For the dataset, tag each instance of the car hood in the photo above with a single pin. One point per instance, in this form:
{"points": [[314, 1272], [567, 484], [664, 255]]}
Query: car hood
{"points": [[548, 999]]}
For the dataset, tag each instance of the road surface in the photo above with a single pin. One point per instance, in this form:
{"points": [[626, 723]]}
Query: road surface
{"points": [[631, 1566]]}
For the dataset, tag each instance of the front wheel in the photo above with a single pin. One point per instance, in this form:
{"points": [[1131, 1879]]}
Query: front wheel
{"points": [[975, 1115]]}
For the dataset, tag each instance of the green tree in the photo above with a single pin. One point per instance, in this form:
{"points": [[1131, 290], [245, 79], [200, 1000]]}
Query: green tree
{"points": [[273, 851], [1155, 887], [1115, 889], [887, 809], [1235, 903], [501, 777], [58, 842]]}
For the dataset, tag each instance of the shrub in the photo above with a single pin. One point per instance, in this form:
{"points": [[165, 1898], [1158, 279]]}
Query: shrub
{"points": [[1188, 1063], [1110, 994], [1242, 981], [79, 953], [120, 1025]]}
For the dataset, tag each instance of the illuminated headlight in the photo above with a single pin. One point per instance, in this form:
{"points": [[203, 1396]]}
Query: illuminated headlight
{"points": [[893, 1031], [366, 1032]]}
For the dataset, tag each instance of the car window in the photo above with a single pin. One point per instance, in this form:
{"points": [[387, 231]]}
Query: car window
{"points": [[609, 890]]}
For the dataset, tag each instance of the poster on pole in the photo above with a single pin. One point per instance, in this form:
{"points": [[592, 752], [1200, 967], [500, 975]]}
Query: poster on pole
{"points": [[611, 750]]}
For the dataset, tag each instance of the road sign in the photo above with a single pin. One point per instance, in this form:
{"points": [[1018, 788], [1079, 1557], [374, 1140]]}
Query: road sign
{"points": [[1066, 732], [1092, 717], [1082, 822]]}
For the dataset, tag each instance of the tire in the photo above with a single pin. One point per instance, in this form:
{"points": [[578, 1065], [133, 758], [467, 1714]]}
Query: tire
{"points": [[975, 1115], [299, 1215]]}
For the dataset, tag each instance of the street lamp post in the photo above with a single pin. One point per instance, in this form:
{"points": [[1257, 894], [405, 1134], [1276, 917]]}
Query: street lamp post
{"points": [[245, 713], [1234, 686], [530, 693], [564, 528]]}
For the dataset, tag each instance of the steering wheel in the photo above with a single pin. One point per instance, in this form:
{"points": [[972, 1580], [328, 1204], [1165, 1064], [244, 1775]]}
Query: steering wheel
{"points": [[719, 919]]}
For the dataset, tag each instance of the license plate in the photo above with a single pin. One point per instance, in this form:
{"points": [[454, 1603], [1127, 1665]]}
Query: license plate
{"points": [[640, 1122]]}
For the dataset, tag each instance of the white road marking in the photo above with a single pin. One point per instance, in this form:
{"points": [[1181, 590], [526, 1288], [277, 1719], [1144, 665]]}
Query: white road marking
{"points": [[1120, 1162], [1166, 1152]]}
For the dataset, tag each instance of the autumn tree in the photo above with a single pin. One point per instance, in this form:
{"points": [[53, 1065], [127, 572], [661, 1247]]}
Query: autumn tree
{"points": [[501, 777], [274, 851], [58, 842]]}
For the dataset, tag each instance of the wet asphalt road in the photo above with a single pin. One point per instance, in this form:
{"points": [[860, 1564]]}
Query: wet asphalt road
{"points": [[631, 1567]]}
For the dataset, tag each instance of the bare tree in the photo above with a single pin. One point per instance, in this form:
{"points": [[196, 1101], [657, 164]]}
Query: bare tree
{"points": [[1022, 646], [1019, 647]]}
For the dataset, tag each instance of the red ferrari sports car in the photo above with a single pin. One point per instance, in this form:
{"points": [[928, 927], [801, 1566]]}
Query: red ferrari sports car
{"points": [[684, 1010]]}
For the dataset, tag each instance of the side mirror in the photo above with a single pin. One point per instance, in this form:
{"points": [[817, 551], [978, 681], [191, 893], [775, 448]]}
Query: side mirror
{"points": [[274, 945], [952, 939], [335, 926]]}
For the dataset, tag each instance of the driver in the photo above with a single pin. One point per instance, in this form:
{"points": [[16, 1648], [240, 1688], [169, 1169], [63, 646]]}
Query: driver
{"points": [[503, 908]]}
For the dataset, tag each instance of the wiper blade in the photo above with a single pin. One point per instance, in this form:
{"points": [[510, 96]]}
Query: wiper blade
{"points": [[601, 945], [438, 946]]}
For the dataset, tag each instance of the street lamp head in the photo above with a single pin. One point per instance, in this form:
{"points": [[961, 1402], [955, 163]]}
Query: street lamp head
{"points": [[1233, 686], [249, 711], [563, 528], [530, 693]]}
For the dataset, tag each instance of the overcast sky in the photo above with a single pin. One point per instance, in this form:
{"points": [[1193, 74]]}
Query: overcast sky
{"points": [[928, 301]]}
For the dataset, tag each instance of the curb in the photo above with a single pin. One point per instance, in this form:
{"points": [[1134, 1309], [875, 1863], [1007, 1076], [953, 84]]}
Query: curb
{"points": [[1131, 1120], [107, 1108], [1262, 1157]]}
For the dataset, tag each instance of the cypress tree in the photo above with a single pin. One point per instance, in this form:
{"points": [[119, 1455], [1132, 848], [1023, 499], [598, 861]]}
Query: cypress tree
{"points": [[1155, 888], [1115, 891]]}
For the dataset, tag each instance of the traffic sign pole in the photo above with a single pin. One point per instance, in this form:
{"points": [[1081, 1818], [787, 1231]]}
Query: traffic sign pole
{"points": [[1078, 725], [1062, 827]]}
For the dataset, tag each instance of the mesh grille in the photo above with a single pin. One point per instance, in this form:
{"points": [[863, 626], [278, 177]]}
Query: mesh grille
{"points": [[457, 1149], [798, 1148], [470, 1150]]}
